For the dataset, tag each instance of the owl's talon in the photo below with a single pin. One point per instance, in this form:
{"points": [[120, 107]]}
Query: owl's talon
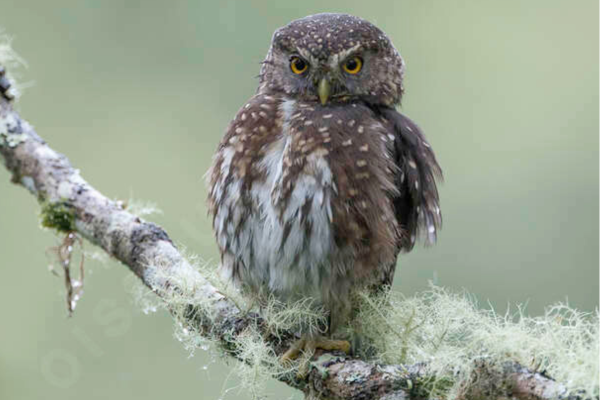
{"points": [[293, 352], [308, 346], [330, 345]]}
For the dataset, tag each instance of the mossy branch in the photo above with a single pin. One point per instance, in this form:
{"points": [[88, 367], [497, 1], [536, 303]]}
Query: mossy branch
{"points": [[69, 203]]}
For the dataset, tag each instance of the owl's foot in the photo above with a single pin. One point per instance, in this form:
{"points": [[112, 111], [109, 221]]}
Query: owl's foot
{"points": [[309, 346]]}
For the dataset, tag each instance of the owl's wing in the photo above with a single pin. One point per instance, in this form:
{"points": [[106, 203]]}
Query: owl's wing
{"points": [[417, 205]]}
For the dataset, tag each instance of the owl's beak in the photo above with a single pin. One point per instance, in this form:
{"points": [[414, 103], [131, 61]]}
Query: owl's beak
{"points": [[324, 90]]}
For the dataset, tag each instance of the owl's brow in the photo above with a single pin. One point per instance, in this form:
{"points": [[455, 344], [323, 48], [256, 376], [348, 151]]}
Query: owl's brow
{"points": [[342, 55], [307, 55]]}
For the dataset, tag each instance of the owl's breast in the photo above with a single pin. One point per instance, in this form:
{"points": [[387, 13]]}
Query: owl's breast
{"points": [[293, 232], [357, 146]]}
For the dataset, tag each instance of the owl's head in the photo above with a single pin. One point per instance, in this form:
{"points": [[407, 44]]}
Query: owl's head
{"points": [[330, 58]]}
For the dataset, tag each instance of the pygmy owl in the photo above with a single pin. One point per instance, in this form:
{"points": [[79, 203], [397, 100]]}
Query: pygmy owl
{"points": [[319, 182]]}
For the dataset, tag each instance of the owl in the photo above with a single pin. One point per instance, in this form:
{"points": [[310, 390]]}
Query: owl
{"points": [[319, 183]]}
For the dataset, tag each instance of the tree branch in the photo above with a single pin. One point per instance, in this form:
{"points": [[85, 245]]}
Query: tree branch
{"points": [[69, 204]]}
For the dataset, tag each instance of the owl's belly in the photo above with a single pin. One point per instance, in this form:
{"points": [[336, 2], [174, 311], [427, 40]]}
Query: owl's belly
{"points": [[286, 246]]}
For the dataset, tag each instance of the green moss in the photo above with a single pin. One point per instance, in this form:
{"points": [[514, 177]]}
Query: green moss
{"points": [[58, 215]]}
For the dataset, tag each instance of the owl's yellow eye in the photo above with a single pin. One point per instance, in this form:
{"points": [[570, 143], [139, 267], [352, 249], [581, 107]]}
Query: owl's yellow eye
{"points": [[298, 65], [353, 65]]}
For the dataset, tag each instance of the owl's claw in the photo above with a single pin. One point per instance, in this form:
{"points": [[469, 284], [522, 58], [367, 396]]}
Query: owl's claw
{"points": [[293, 352], [308, 346]]}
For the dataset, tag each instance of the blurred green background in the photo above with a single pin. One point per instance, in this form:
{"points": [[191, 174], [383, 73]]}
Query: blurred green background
{"points": [[138, 93]]}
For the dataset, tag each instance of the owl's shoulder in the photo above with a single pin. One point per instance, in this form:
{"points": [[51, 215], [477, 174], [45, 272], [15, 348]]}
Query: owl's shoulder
{"points": [[260, 115], [253, 129]]}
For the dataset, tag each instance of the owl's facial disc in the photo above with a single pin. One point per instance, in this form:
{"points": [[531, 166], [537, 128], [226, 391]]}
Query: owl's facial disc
{"points": [[337, 58]]}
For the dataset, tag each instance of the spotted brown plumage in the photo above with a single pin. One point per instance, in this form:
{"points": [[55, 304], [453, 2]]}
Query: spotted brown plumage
{"points": [[319, 182]]}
